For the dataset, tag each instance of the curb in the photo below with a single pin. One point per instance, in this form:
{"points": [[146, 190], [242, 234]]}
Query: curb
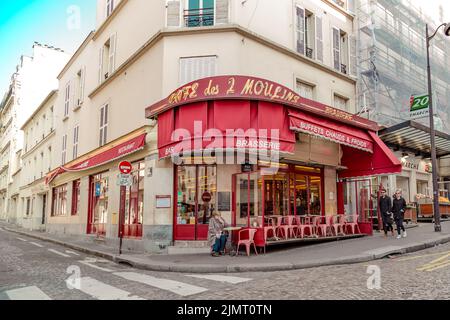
{"points": [[139, 263]]}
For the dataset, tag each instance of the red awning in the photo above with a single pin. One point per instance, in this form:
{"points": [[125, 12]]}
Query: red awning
{"points": [[114, 153], [225, 125], [363, 164], [331, 130]]}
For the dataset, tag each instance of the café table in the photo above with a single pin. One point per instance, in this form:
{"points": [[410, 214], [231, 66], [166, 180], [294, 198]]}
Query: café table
{"points": [[230, 230]]}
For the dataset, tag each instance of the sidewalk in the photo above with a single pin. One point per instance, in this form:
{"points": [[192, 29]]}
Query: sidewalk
{"points": [[328, 253]]}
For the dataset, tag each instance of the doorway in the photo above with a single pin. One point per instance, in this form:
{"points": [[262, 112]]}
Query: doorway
{"points": [[44, 208], [98, 204], [196, 194]]}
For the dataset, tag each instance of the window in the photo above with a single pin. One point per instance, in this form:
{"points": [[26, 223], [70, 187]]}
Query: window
{"points": [[196, 183], [59, 201], [67, 100], [134, 207], [340, 50], [103, 125], [75, 197], [340, 102], [28, 211], [199, 13], [194, 68], [80, 81], [300, 29], [51, 118], [305, 90], [75, 142], [107, 59], [64, 149], [42, 164], [109, 7]]}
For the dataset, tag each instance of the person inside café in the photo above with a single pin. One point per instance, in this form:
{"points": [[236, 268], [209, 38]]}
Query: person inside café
{"points": [[217, 238]]}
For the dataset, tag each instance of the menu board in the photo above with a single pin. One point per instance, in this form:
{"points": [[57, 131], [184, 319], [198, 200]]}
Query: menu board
{"points": [[224, 201]]}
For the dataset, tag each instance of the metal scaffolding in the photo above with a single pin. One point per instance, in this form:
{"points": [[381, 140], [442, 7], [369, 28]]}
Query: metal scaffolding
{"points": [[392, 62]]}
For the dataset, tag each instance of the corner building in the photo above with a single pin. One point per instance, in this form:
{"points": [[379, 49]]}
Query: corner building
{"points": [[141, 52]]}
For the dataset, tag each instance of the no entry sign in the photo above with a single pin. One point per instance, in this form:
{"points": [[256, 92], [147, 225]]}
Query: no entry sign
{"points": [[125, 167], [206, 197]]}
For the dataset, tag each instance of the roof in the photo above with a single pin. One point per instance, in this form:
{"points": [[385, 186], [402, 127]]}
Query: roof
{"points": [[415, 137]]}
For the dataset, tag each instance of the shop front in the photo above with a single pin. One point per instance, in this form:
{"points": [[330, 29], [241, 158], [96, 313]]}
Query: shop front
{"points": [[265, 158]]}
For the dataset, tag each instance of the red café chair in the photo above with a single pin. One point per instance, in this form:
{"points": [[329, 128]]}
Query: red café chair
{"points": [[301, 227], [338, 224], [324, 225], [288, 226], [351, 221], [247, 241], [270, 227]]}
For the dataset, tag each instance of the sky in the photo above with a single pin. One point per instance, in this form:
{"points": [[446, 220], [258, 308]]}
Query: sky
{"points": [[54, 22], [51, 22]]}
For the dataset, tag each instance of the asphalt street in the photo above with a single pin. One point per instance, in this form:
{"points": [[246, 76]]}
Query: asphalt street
{"points": [[34, 269]]}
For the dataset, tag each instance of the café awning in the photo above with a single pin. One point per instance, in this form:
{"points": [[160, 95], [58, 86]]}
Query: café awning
{"points": [[331, 130], [110, 153], [358, 163]]}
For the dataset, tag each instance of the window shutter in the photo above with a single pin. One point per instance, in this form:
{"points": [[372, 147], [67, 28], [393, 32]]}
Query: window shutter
{"points": [[319, 39], [173, 13], [353, 60], [83, 79], [222, 11], [112, 54], [100, 66], [300, 13], [336, 49]]}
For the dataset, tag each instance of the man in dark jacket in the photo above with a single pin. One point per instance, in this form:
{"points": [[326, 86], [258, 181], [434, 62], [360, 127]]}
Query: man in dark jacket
{"points": [[399, 208], [385, 205]]}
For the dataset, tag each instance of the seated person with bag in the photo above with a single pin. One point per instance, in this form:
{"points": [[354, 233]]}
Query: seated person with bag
{"points": [[216, 236]]}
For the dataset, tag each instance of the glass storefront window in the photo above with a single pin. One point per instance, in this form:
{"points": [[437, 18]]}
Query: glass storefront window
{"points": [[206, 193], [197, 194], [134, 203]]}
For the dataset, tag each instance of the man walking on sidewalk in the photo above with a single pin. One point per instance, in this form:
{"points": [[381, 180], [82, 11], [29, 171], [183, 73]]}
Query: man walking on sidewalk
{"points": [[398, 208], [385, 208]]}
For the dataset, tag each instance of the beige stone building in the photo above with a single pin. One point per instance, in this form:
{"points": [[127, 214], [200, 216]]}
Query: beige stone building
{"points": [[144, 50], [32, 201]]}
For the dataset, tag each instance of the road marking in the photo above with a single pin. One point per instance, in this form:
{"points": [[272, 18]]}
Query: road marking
{"points": [[103, 291], [21, 239], [422, 256], [180, 288], [438, 263], [36, 244], [28, 293], [71, 252], [59, 253], [220, 278], [88, 262]]}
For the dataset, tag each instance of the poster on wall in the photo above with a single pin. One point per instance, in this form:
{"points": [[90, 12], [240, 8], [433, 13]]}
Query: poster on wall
{"points": [[224, 201], [163, 202]]}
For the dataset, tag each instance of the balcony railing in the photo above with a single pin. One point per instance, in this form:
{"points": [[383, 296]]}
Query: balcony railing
{"points": [[309, 52], [199, 17], [344, 68]]}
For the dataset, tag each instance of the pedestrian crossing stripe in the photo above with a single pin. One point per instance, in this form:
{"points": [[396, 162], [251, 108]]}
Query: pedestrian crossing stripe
{"points": [[180, 288], [103, 291], [438, 263], [220, 278], [27, 293]]}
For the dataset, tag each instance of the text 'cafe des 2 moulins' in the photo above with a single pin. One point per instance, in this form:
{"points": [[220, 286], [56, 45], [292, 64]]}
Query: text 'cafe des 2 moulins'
{"points": [[251, 148]]}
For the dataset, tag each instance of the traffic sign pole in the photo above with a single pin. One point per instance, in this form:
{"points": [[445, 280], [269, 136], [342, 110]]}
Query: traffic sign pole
{"points": [[123, 191]]}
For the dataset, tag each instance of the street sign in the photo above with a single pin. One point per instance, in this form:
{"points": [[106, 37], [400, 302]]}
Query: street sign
{"points": [[419, 106], [124, 180], [125, 167], [206, 197]]}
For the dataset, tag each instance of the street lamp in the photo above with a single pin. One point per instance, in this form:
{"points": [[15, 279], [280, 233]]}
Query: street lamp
{"points": [[437, 216]]}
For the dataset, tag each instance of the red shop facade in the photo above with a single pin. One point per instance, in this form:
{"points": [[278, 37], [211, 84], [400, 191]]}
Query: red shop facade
{"points": [[253, 149]]}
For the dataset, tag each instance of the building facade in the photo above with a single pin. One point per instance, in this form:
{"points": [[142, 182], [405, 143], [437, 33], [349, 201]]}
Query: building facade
{"points": [[34, 78], [33, 199], [307, 49]]}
